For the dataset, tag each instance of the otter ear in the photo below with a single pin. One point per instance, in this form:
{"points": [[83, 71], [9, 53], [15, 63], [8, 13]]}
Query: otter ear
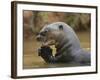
{"points": [[61, 27]]}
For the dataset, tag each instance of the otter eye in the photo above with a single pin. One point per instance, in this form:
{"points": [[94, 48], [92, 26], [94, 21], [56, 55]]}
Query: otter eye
{"points": [[43, 33], [46, 31]]}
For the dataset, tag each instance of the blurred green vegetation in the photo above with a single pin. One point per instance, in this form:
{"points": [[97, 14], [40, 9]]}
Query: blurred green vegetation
{"points": [[78, 21]]}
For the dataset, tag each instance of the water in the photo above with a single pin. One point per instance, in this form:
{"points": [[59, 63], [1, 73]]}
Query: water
{"points": [[32, 60]]}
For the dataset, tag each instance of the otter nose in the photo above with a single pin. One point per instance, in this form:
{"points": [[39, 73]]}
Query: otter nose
{"points": [[38, 38]]}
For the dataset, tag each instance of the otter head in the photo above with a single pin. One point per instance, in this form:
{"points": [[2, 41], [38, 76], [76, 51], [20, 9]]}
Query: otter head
{"points": [[49, 35]]}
